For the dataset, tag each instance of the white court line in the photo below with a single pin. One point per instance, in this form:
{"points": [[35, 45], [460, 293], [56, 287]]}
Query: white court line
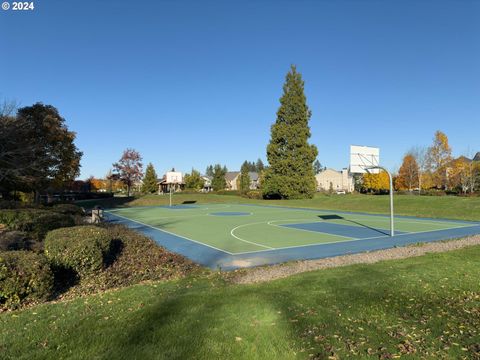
{"points": [[334, 242], [168, 232], [250, 242]]}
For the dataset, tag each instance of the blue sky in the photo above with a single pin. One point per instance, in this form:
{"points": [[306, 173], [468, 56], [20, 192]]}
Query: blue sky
{"points": [[190, 83]]}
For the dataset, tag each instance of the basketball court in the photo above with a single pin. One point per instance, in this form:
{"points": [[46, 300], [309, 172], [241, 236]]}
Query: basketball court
{"points": [[230, 236]]}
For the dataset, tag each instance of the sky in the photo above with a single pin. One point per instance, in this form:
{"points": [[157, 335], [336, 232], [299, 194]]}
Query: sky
{"points": [[193, 83]]}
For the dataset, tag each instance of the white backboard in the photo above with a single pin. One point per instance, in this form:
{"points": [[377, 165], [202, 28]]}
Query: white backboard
{"points": [[174, 177], [364, 157]]}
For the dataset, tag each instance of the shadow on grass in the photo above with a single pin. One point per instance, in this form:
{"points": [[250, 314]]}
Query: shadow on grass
{"points": [[371, 309]]}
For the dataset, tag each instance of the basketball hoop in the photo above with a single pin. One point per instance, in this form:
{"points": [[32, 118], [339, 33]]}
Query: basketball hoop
{"points": [[366, 159], [173, 178]]}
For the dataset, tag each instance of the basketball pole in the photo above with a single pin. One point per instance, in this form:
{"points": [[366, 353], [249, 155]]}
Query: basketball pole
{"points": [[170, 195], [390, 180]]}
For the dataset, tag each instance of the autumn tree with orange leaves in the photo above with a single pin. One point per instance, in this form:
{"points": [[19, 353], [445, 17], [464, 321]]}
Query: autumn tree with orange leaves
{"points": [[439, 156], [460, 174], [408, 174], [376, 182]]}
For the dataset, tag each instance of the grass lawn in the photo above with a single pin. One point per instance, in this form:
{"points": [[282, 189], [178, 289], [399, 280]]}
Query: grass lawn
{"points": [[426, 307], [449, 207]]}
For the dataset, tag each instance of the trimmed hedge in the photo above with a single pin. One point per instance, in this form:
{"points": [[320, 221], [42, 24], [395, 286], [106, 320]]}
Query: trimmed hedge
{"points": [[254, 194], [80, 248], [25, 277], [14, 240], [69, 209], [34, 221]]}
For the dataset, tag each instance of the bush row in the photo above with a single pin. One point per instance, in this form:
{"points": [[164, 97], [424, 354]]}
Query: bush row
{"points": [[91, 257], [25, 277], [36, 222], [80, 249]]}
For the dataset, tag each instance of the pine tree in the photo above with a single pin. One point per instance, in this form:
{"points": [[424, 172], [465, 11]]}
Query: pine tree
{"points": [[317, 167], [150, 184], [244, 178], [218, 181], [290, 156], [259, 166], [209, 171]]}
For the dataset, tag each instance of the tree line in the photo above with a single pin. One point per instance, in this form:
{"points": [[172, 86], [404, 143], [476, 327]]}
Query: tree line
{"points": [[427, 168]]}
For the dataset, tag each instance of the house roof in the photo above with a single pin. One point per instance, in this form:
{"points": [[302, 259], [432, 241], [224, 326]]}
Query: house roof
{"points": [[464, 158], [477, 156], [230, 175], [329, 170]]}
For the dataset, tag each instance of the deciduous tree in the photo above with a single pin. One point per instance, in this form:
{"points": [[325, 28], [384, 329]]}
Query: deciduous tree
{"points": [[290, 156], [129, 168], [438, 158], [408, 174], [376, 182], [37, 150], [420, 155], [194, 180], [459, 174]]}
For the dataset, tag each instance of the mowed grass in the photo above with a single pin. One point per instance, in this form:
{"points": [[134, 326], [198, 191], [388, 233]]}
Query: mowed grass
{"points": [[448, 207], [424, 307]]}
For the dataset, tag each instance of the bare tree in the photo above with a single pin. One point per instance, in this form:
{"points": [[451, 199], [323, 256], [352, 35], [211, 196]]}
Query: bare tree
{"points": [[420, 154], [473, 170]]}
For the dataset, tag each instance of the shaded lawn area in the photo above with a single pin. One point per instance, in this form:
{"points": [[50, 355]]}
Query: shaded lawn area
{"points": [[448, 207], [427, 306]]}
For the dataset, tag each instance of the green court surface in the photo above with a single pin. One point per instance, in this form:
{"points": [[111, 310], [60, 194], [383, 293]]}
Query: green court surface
{"points": [[241, 229]]}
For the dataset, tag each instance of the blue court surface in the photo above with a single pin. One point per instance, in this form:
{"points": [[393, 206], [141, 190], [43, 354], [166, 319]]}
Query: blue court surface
{"points": [[231, 236]]}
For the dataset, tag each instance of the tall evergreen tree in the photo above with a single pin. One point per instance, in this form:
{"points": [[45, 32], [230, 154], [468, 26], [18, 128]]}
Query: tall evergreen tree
{"points": [[290, 156], [150, 182], [317, 167], [209, 171], [259, 166], [244, 179], [218, 181]]}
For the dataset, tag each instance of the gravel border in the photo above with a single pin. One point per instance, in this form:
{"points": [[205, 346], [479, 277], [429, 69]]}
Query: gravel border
{"points": [[264, 274]]}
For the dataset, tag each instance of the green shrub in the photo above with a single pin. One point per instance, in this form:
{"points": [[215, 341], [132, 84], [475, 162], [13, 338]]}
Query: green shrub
{"points": [[69, 209], [24, 277], [80, 248], [35, 221], [14, 240], [136, 258], [226, 192], [254, 194]]}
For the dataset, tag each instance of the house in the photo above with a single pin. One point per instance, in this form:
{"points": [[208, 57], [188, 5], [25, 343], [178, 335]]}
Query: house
{"points": [[207, 183], [477, 156], [172, 180], [254, 180], [232, 179], [330, 179]]}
